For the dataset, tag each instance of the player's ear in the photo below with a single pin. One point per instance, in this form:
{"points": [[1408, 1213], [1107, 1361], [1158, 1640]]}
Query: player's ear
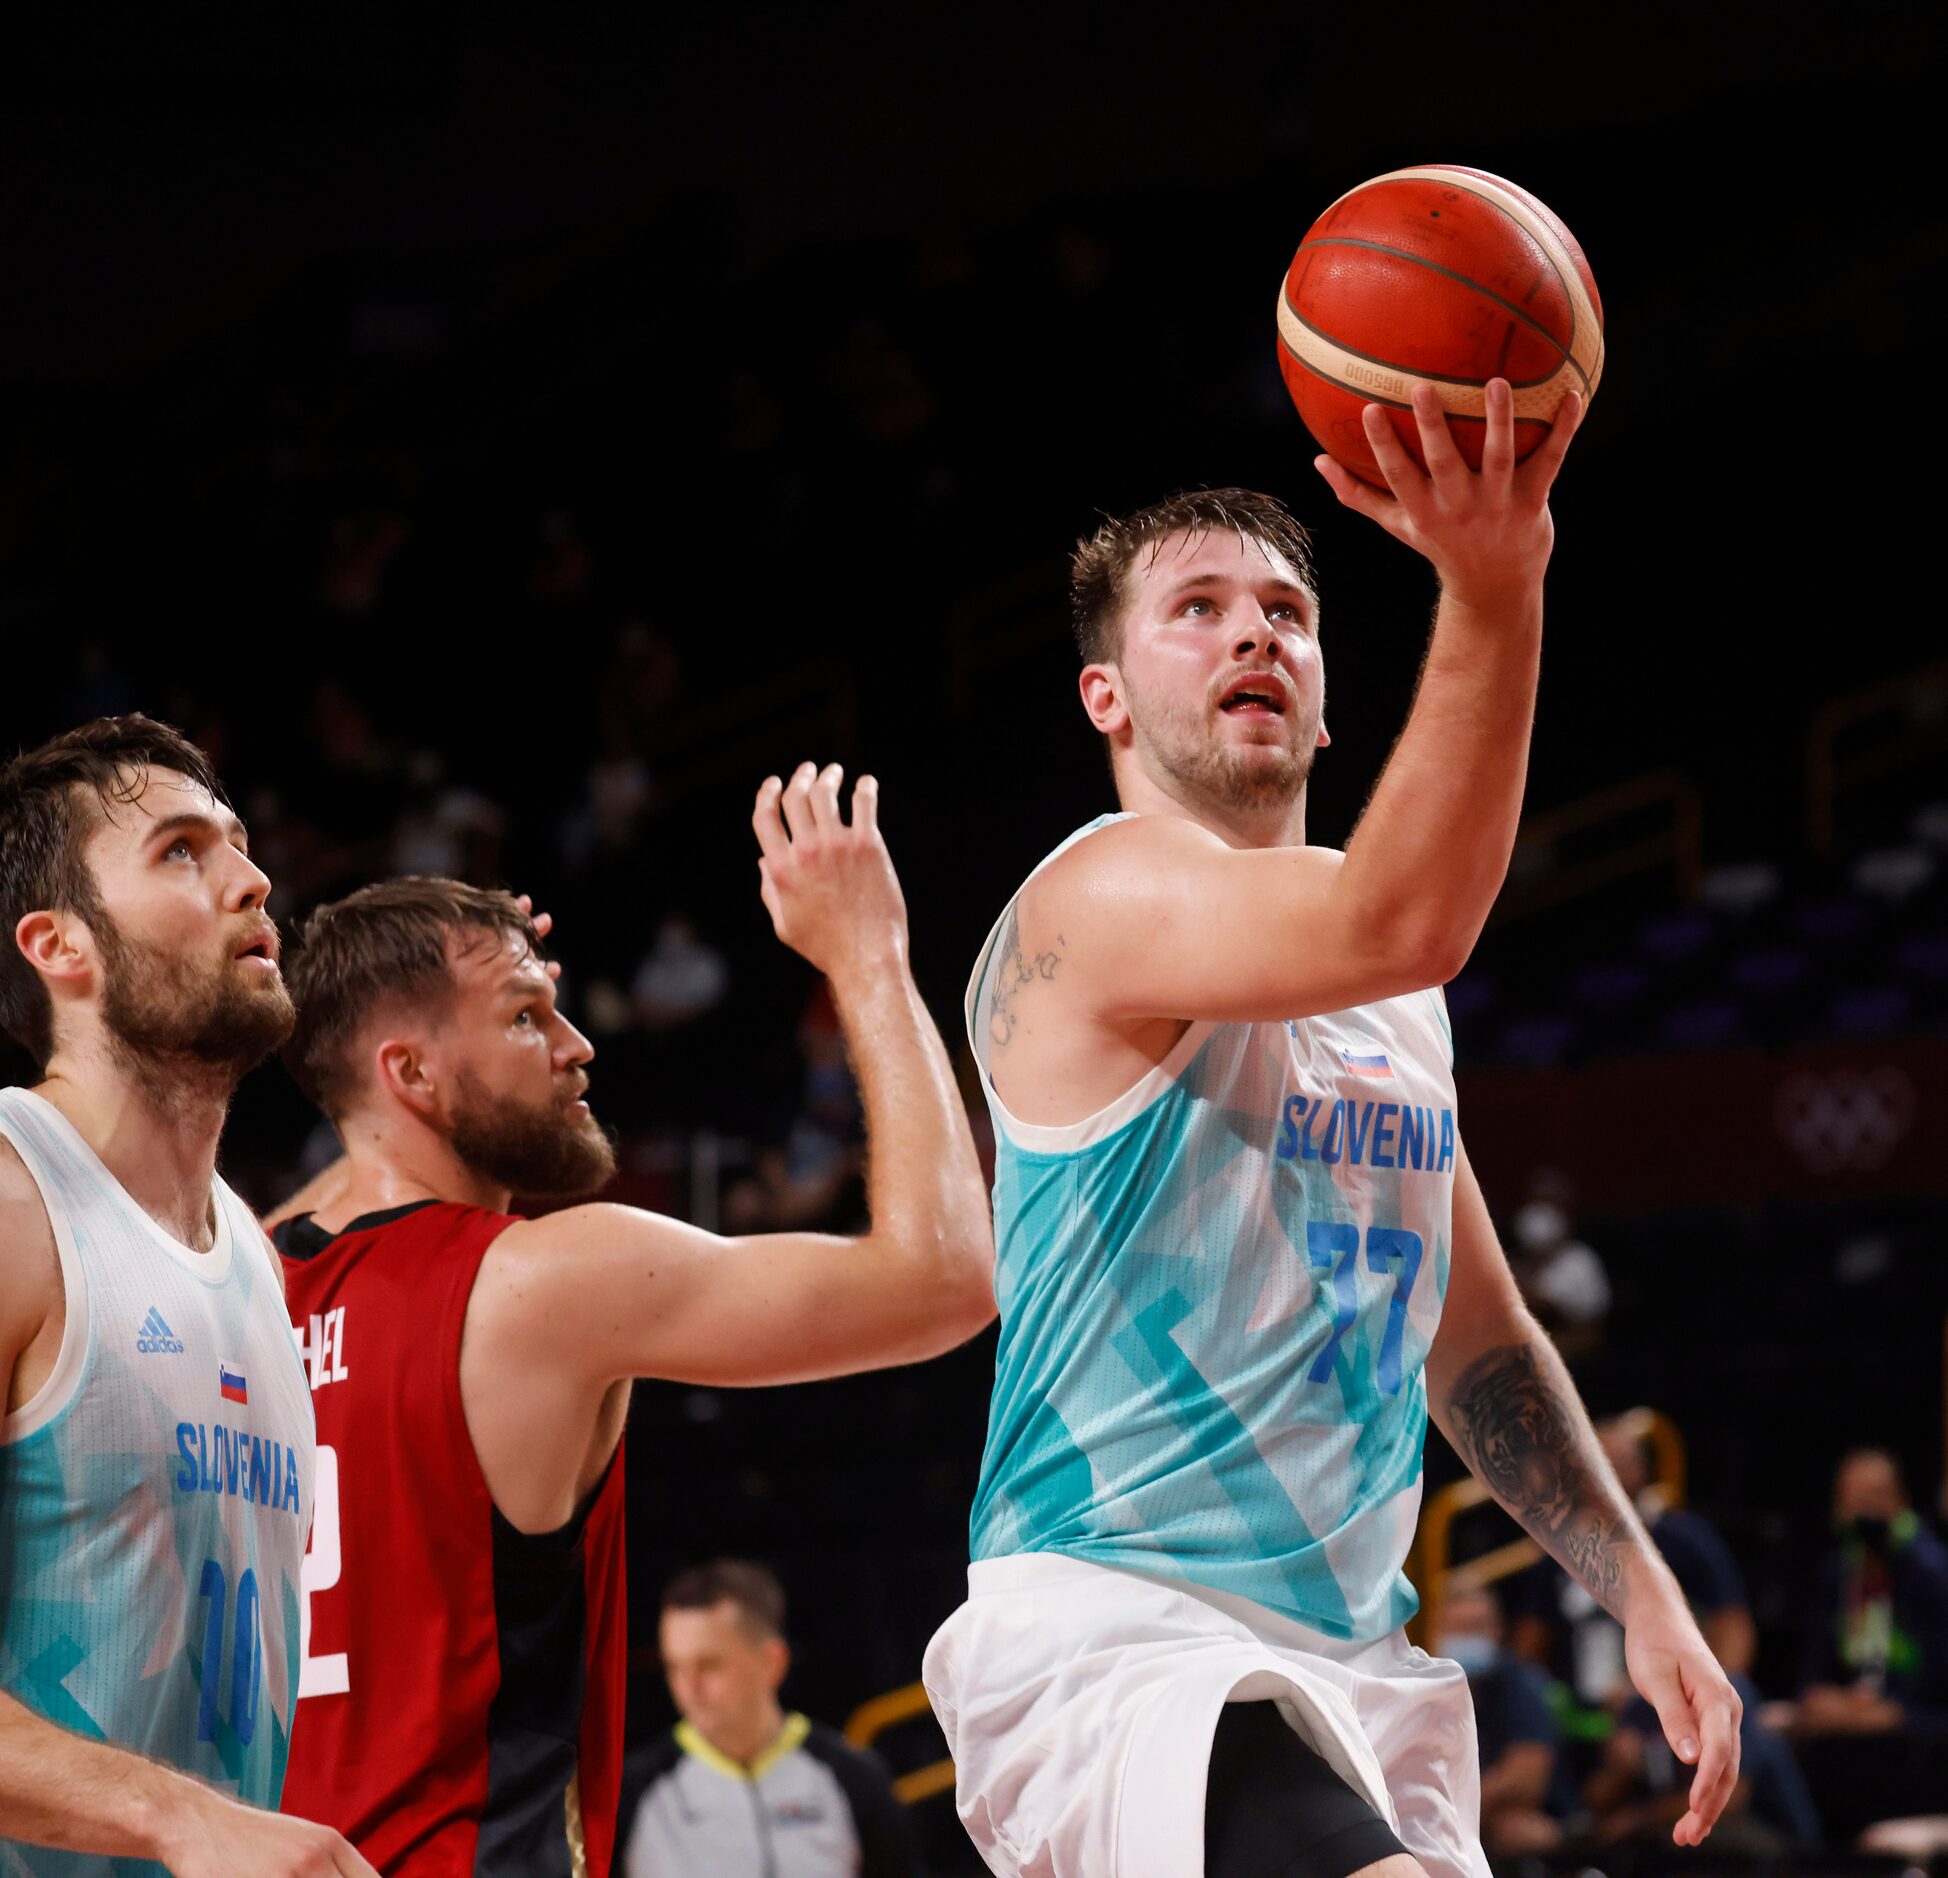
{"points": [[57, 945], [777, 1659], [1103, 699], [403, 1072], [1324, 737]]}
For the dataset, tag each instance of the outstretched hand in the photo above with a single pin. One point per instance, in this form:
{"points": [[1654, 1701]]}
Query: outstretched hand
{"points": [[544, 924], [828, 885], [1697, 1707], [1488, 532]]}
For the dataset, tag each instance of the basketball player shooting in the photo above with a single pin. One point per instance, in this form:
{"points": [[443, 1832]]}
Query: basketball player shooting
{"points": [[465, 1644], [156, 1457], [1240, 1253]]}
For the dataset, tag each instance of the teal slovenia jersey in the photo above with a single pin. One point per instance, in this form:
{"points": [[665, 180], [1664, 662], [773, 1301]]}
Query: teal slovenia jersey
{"points": [[1217, 1297], [155, 1493]]}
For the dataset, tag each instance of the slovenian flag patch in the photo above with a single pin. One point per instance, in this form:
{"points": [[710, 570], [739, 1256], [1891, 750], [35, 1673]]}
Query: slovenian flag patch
{"points": [[230, 1383], [1373, 1065]]}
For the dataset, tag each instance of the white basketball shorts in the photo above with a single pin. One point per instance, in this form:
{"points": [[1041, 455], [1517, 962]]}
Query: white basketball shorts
{"points": [[1079, 1704]]}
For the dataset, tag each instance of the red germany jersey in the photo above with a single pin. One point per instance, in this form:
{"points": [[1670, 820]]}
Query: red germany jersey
{"points": [[460, 1705]]}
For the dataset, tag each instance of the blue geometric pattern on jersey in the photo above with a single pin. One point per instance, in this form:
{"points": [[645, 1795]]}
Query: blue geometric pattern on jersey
{"points": [[149, 1570], [1210, 1365]]}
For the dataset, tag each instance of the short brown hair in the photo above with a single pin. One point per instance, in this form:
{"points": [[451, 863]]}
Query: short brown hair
{"points": [[1099, 570], [759, 1597], [384, 942], [51, 800]]}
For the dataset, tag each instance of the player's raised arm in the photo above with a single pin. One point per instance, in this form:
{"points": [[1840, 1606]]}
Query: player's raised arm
{"points": [[1499, 1392], [618, 1292], [1165, 918]]}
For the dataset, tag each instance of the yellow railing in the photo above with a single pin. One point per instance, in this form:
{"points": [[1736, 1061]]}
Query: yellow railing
{"points": [[871, 1719], [1909, 721], [1439, 1579]]}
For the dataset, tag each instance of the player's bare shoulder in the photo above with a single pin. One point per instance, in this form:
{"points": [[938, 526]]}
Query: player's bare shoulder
{"points": [[541, 1276], [1129, 887], [30, 1265], [1075, 915], [1122, 868]]}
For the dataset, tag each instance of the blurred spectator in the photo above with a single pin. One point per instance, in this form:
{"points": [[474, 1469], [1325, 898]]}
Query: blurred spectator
{"points": [[1562, 1280], [879, 385], [362, 547], [753, 420], [1871, 1722], [805, 1181], [445, 829], [681, 978], [1691, 1545], [563, 565], [739, 1788], [640, 689], [1522, 1798], [1640, 1790]]}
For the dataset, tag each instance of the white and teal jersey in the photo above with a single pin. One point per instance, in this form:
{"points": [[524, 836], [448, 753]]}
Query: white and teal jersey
{"points": [[1217, 1296], [156, 1493]]}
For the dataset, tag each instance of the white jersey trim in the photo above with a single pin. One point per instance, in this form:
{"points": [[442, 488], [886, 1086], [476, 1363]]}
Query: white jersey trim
{"points": [[64, 1380], [211, 1267], [1073, 1137]]}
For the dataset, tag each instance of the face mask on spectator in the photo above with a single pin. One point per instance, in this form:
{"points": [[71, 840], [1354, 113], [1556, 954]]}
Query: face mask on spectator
{"points": [[1476, 1655], [1879, 1535]]}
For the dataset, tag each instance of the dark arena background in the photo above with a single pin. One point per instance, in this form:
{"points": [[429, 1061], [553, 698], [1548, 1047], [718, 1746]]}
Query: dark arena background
{"points": [[500, 446]]}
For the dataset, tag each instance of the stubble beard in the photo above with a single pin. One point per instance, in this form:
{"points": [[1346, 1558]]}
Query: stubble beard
{"points": [[1210, 771], [540, 1150], [181, 1027]]}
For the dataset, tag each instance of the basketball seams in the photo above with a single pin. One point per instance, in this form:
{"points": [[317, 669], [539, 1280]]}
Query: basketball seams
{"points": [[1406, 372], [1535, 400], [1474, 286], [1583, 318]]}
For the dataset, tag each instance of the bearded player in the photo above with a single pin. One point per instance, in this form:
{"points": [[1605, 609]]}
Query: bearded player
{"points": [[156, 1457], [1240, 1254], [463, 1673]]}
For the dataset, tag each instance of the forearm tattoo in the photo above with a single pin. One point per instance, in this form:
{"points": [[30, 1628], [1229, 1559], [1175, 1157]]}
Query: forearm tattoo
{"points": [[1527, 1445]]}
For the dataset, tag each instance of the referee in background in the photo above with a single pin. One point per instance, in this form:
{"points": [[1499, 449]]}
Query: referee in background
{"points": [[739, 1788]]}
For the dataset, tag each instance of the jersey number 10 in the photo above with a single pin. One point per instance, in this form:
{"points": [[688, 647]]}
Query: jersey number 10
{"points": [[246, 1654]]}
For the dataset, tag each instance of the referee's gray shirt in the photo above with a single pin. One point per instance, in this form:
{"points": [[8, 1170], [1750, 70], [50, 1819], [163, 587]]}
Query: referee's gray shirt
{"points": [[810, 1806]]}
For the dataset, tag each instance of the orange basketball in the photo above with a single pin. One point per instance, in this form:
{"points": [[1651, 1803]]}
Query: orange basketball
{"points": [[1444, 276]]}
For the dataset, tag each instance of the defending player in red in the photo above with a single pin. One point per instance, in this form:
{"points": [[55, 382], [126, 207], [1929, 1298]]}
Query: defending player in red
{"points": [[461, 1702]]}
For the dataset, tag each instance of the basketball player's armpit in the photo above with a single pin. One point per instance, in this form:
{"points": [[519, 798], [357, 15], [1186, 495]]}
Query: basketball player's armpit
{"points": [[1514, 1418]]}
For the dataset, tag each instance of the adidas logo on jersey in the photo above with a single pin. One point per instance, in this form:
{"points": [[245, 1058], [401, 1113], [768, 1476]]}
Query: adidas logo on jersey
{"points": [[155, 1338]]}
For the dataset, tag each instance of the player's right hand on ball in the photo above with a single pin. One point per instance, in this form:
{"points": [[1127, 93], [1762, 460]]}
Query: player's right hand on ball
{"points": [[227, 1840], [1487, 531], [828, 885]]}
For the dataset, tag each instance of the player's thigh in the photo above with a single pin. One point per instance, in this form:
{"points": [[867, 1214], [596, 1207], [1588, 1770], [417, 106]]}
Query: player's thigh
{"points": [[1274, 1809]]}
